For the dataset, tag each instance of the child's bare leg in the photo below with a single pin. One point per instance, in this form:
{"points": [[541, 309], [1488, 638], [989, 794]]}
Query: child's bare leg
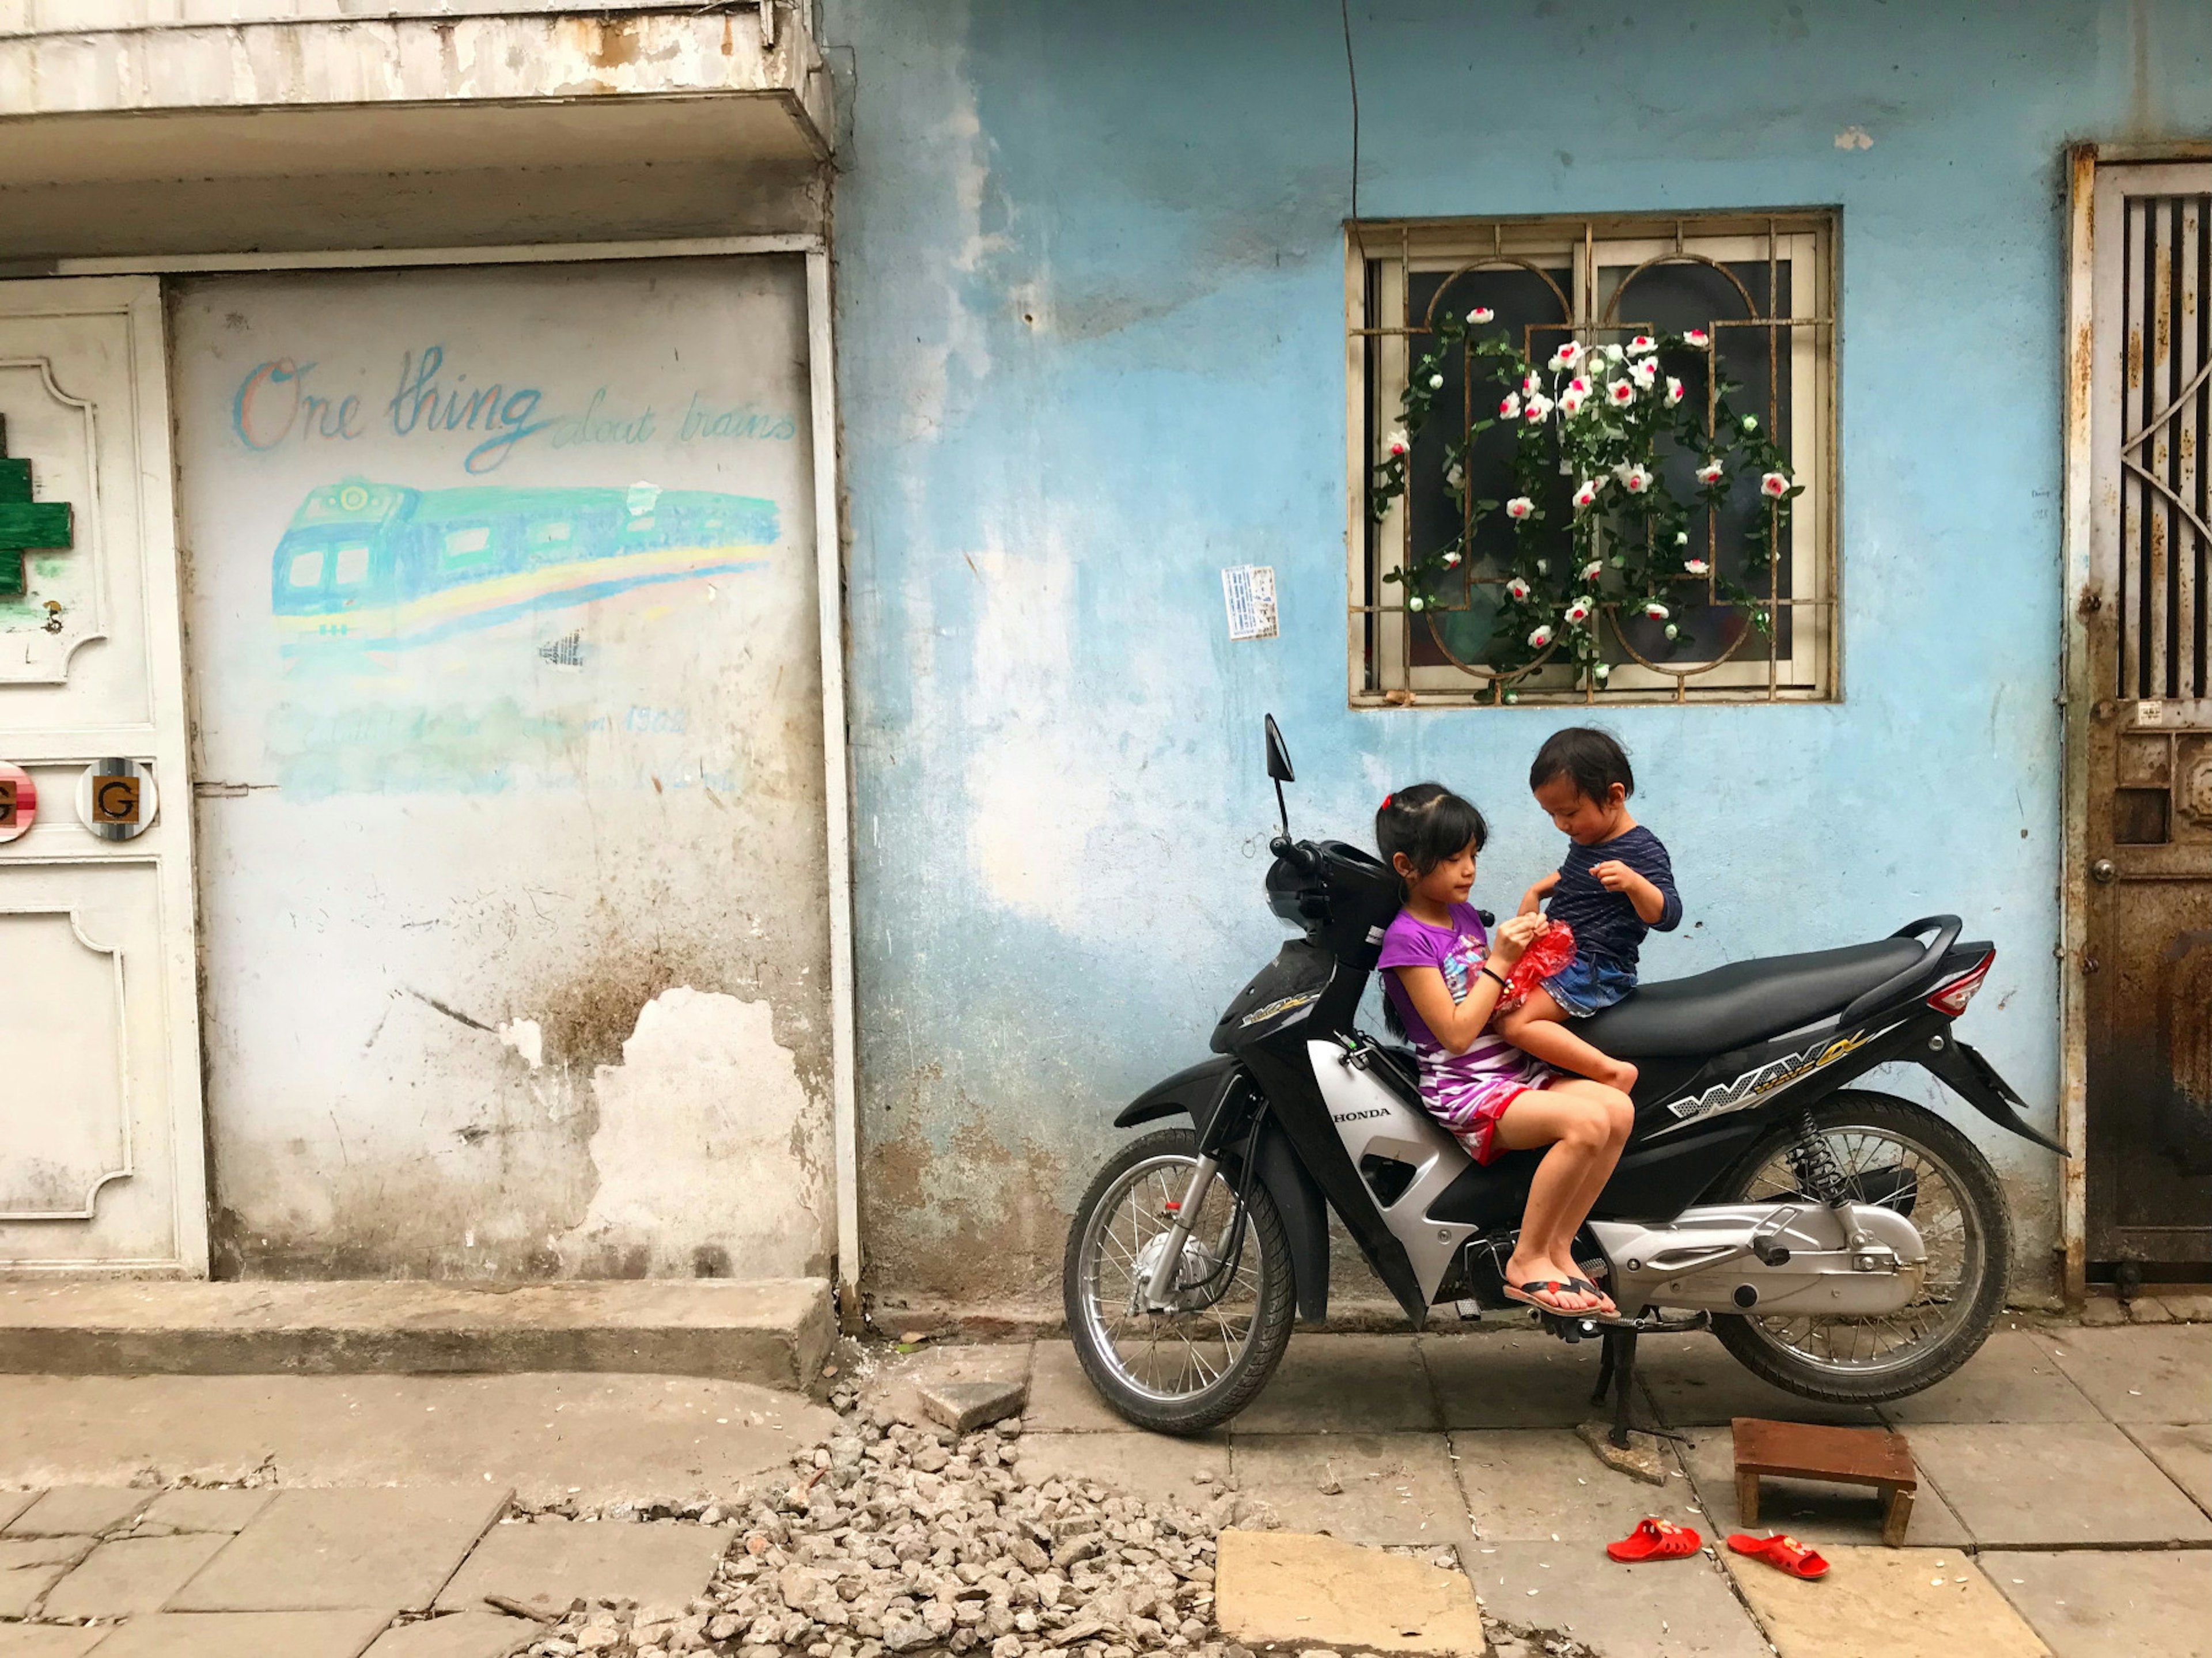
{"points": [[1538, 1027], [1573, 1121], [1620, 1117]]}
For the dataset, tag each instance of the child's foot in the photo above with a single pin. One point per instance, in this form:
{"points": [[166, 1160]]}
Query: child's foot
{"points": [[1539, 1282]]}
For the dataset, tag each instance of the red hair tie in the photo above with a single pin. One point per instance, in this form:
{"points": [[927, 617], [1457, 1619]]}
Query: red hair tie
{"points": [[1387, 799]]}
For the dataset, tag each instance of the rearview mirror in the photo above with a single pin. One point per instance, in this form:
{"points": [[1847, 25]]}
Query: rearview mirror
{"points": [[1279, 759]]}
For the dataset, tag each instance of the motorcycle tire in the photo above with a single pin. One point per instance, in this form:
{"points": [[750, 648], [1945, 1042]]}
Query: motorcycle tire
{"points": [[1274, 1308], [1763, 1351]]}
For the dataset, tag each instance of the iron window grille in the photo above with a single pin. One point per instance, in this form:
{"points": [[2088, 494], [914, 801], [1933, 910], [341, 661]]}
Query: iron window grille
{"points": [[1763, 287]]}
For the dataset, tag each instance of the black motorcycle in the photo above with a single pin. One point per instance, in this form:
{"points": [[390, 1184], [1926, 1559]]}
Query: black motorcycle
{"points": [[1848, 1245]]}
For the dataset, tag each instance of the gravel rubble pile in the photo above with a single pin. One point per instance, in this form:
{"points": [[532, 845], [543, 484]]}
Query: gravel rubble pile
{"points": [[894, 1539]]}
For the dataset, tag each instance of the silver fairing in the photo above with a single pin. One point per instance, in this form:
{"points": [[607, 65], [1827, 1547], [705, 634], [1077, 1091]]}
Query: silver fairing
{"points": [[1710, 1258], [1372, 1120]]}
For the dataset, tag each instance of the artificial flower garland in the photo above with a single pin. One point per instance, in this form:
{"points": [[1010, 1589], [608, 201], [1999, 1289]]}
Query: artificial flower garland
{"points": [[1596, 415]]}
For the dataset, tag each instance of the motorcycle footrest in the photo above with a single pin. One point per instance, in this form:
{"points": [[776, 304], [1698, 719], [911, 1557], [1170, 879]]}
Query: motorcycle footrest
{"points": [[1657, 1324]]}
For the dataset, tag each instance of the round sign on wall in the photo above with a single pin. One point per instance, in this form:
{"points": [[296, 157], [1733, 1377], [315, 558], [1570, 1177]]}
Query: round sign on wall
{"points": [[19, 801], [115, 798]]}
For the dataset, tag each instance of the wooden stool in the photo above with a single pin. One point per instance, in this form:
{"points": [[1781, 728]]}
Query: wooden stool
{"points": [[1844, 1456]]}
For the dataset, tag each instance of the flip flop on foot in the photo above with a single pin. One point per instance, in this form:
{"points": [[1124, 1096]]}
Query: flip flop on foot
{"points": [[1533, 1291], [1656, 1540], [1781, 1552], [1605, 1309]]}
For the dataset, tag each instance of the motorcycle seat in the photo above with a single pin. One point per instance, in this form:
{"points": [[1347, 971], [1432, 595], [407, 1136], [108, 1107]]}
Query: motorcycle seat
{"points": [[1742, 1003]]}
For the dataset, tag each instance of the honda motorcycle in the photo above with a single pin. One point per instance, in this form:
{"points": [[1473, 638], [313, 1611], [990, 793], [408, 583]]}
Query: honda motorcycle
{"points": [[1846, 1244]]}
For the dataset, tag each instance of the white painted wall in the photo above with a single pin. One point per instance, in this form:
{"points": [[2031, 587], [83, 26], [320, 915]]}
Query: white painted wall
{"points": [[514, 936]]}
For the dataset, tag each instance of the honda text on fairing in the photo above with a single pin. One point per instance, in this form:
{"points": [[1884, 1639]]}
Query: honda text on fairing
{"points": [[1847, 1244]]}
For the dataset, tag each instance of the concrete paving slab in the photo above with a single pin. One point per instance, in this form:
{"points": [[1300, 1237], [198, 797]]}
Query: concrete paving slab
{"points": [[1511, 1379], [78, 1511], [1661, 1609], [547, 1564], [1693, 1382], [2184, 1451], [2147, 1373], [1531, 1484], [2097, 1605], [1344, 1384], [246, 1635], [775, 1332], [2012, 1379], [130, 1576], [194, 1510], [14, 1502], [1280, 1587], [2061, 1483], [1155, 1467], [30, 1566], [610, 1436], [464, 1635], [1395, 1488], [1901, 1603], [326, 1550], [48, 1640], [1815, 1511], [1061, 1397]]}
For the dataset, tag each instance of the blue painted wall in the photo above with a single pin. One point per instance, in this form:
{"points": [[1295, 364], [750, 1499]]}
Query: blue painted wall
{"points": [[1091, 269]]}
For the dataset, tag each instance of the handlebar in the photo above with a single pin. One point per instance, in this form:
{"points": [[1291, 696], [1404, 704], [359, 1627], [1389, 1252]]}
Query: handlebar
{"points": [[1299, 854]]}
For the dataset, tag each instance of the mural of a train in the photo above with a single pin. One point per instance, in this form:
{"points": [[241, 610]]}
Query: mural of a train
{"points": [[379, 567]]}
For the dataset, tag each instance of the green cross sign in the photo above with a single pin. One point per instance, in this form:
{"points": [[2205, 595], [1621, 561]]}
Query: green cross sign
{"points": [[24, 524]]}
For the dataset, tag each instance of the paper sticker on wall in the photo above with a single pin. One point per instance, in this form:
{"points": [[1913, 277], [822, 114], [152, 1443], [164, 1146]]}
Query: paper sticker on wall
{"points": [[116, 800], [1250, 590], [19, 801]]}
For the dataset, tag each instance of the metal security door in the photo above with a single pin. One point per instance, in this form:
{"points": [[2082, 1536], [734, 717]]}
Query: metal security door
{"points": [[102, 1162], [2149, 851]]}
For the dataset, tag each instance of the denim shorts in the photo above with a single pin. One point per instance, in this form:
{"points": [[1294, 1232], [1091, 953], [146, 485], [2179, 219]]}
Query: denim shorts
{"points": [[1590, 983]]}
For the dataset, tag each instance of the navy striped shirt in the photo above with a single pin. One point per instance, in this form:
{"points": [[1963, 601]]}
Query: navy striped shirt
{"points": [[1606, 924]]}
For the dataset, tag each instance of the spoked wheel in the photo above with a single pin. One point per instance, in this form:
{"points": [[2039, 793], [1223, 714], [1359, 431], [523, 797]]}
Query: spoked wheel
{"points": [[1902, 1157], [1189, 1370]]}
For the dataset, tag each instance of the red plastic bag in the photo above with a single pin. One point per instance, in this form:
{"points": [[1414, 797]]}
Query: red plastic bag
{"points": [[1551, 949]]}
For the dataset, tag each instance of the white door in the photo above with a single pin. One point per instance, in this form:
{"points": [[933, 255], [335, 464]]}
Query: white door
{"points": [[102, 1160]]}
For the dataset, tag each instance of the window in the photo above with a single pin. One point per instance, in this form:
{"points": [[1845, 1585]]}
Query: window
{"points": [[1642, 583], [464, 547], [306, 570], [352, 563]]}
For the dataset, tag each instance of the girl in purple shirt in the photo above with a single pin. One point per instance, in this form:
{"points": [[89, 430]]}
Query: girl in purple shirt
{"points": [[1442, 978]]}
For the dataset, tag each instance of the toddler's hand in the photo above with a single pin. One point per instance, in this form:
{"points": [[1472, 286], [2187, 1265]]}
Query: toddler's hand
{"points": [[1613, 875], [1514, 934]]}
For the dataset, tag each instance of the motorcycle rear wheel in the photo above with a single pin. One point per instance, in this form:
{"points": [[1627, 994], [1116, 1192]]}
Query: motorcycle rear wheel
{"points": [[1186, 1372], [1953, 1197]]}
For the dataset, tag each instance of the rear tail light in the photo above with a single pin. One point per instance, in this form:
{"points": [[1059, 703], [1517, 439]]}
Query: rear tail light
{"points": [[1953, 995]]}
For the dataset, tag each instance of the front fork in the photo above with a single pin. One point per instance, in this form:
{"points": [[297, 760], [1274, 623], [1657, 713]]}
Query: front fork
{"points": [[1160, 1288]]}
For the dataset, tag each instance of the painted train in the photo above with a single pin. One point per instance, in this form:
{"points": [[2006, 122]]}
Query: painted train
{"points": [[381, 567]]}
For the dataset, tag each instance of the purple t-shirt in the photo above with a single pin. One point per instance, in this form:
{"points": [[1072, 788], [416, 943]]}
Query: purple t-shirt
{"points": [[1457, 952]]}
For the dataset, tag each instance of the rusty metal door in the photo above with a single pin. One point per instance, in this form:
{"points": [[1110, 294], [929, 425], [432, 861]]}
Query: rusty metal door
{"points": [[2149, 853]]}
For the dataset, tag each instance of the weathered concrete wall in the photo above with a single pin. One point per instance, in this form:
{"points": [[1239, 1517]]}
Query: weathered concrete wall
{"points": [[501, 631], [1092, 349]]}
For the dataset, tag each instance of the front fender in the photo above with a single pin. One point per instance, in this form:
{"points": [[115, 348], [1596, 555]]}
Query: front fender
{"points": [[1197, 1093]]}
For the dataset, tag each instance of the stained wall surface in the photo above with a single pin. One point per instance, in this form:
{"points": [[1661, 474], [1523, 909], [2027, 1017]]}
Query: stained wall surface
{"points": [[502, 640], [1090, 292]]}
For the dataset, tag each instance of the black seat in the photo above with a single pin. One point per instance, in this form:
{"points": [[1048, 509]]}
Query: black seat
{"points": [[1742, 1003]]}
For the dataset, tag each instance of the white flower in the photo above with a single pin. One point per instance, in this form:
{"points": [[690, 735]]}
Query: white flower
{"points": [[1614, 353], [1655, 609], [1536, 409], [1697, 339], [1637, 480], [1436, 382], [1681, 538], [1541, 638], [1543, 567], [1621, 392], [1417, 603], [1510, 409], [1518, 588], [1586, 492], [1481, 315], [1776, 484], [1397, 444], [1641, 344], [1454, 476], [1601, 673], [1671, 630], [1594, 569], [1567, 355], [1751, 422], [1644, 373], [1694, 566], [1579, 611], [1451, 558], [1709, 472], [1519, 506], [1674, 391], [1531, 383], [1570, 401]]}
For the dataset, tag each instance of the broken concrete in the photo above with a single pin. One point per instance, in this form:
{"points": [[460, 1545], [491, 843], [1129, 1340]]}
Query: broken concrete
{"points": [[964, 1406], [774, 1332], [1639, 1459], [1281, 1587]]}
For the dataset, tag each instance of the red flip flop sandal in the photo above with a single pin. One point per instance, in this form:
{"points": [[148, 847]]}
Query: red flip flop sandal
{"points": [[1781, 1552], [1656, 1540]]}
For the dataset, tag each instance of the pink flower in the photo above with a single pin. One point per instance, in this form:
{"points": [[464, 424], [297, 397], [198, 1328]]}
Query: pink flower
{"points": [[1579, 386], [1579, 611], [1656, 611], [1643, 372], [1567, 355], [1531, 384], [1776, 484], [1518, 589], [1536, 408], [1586, 493], [1636, 480], [1570, 401], [1481, 315], [1709, 472], [1694, 566], [1697, 338], [1397, 445], [1641, 344], [1541, 638], [1510, 409], [1674, 391], [1621, 392], [1519, 506]]}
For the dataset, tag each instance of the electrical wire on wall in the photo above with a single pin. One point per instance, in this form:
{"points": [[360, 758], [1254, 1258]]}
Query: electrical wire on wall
{"points": [[1351, 75]]}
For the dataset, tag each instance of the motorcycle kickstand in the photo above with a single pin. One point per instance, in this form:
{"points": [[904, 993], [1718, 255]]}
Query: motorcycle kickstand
{"points": [[1616, 1368]]}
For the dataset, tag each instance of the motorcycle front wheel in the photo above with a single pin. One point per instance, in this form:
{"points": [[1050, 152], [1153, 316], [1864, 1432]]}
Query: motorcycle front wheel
{"points": [[1904, 1157], [1191, 1369]]}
